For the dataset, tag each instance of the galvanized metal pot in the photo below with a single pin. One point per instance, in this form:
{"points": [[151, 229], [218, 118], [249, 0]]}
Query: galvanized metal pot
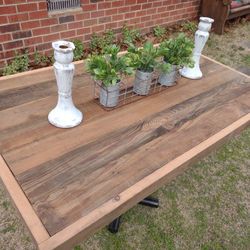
{"points": [[109, 96], [142, 82], [170, 78]]}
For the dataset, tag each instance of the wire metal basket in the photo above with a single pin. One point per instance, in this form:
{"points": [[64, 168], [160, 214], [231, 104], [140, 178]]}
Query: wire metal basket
{"points": [[126, 93]]}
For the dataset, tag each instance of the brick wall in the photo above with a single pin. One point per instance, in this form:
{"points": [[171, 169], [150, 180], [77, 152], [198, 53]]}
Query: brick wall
{"points": [[27, 23]]}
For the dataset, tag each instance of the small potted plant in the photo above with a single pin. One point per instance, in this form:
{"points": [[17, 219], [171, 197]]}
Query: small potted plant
{"points": [[176, 52], [109, 69], [144, 61]]}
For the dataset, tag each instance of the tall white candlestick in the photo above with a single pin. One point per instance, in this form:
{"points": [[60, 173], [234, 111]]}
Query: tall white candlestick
{"points": [[65, 114], [201, 37]]}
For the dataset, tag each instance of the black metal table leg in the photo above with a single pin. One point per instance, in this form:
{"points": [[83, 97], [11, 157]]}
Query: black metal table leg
{"points": [[113, 227], [150, 202]]}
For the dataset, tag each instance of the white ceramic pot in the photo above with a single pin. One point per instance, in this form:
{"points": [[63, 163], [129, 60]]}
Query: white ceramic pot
{"points": [[65, 114], [201, 37], [142, 82]]}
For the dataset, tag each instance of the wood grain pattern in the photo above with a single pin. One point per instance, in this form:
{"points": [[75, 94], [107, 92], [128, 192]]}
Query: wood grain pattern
{"points": [[80, 179], [22, 158], [34, 225], [101, 216], [97, 164]]}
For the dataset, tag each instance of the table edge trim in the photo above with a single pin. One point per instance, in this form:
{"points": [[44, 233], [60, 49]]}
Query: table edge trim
{"points": [[22, 204]]}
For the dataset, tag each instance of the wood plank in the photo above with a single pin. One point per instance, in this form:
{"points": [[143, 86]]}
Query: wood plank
{"points": [[37, 76], [125, 200], [34, 225], [52, 186], [21, 158], [25, 94], [23, 130]]}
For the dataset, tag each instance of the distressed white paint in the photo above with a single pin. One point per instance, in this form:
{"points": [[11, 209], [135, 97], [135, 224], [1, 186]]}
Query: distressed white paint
{"points": [[65, 114], [201, 37]]}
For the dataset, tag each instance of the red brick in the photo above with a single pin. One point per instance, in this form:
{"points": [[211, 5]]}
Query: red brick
{"points": [[118, 17], [9, 27], [75, 25], [90, 22], [57, 28], [32, 41], [130, 2], [51, 38], [82, 16], [18, 17], [111, 12], [30, 25], [66, 19], [96, 14], [67, 34], [13, 1], [104, 19], [129, 15], [4, 37], [48, 22], [157, 4], [89, 7], [41, 31], [135, 20], [83, 31], [38, 14], [146, 6], [7, 10], [43, 46], [21, 34], [3, 20], [42, 6], [112, 25], [141, 13], [13, 45], [118, 3], [135, 7], [104, 5], [27, 7], [98, 28], [123, 9]]}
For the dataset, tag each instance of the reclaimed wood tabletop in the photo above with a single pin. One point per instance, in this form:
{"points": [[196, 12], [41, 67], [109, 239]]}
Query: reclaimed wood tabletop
{"points": [[67, 183]]}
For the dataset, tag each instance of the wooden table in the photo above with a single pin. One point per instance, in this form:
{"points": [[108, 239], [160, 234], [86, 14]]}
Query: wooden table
{"points": [[68, 183]]}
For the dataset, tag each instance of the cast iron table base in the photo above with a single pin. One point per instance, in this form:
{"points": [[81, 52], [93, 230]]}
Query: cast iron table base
{"points": [[113, 227]]}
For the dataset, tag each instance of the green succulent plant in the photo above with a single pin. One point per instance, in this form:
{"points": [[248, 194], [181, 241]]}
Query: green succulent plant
{"points": [[159, 32], [20, 63], [78, 51], [145, 58], [130, 36], [178, 51], [109, 68], [98, 43]]}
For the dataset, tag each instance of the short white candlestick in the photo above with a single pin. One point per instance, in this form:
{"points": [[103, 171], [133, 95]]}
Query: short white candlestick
{"points": [[201, 37], [65, 114]]}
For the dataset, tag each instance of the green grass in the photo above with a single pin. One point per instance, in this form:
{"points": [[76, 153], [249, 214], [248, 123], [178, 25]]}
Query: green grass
{"points": [[233, 48], [246, 60]]}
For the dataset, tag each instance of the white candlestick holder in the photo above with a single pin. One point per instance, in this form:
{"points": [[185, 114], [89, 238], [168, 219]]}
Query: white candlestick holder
{"points": [[65, 114], [201, 37]]}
